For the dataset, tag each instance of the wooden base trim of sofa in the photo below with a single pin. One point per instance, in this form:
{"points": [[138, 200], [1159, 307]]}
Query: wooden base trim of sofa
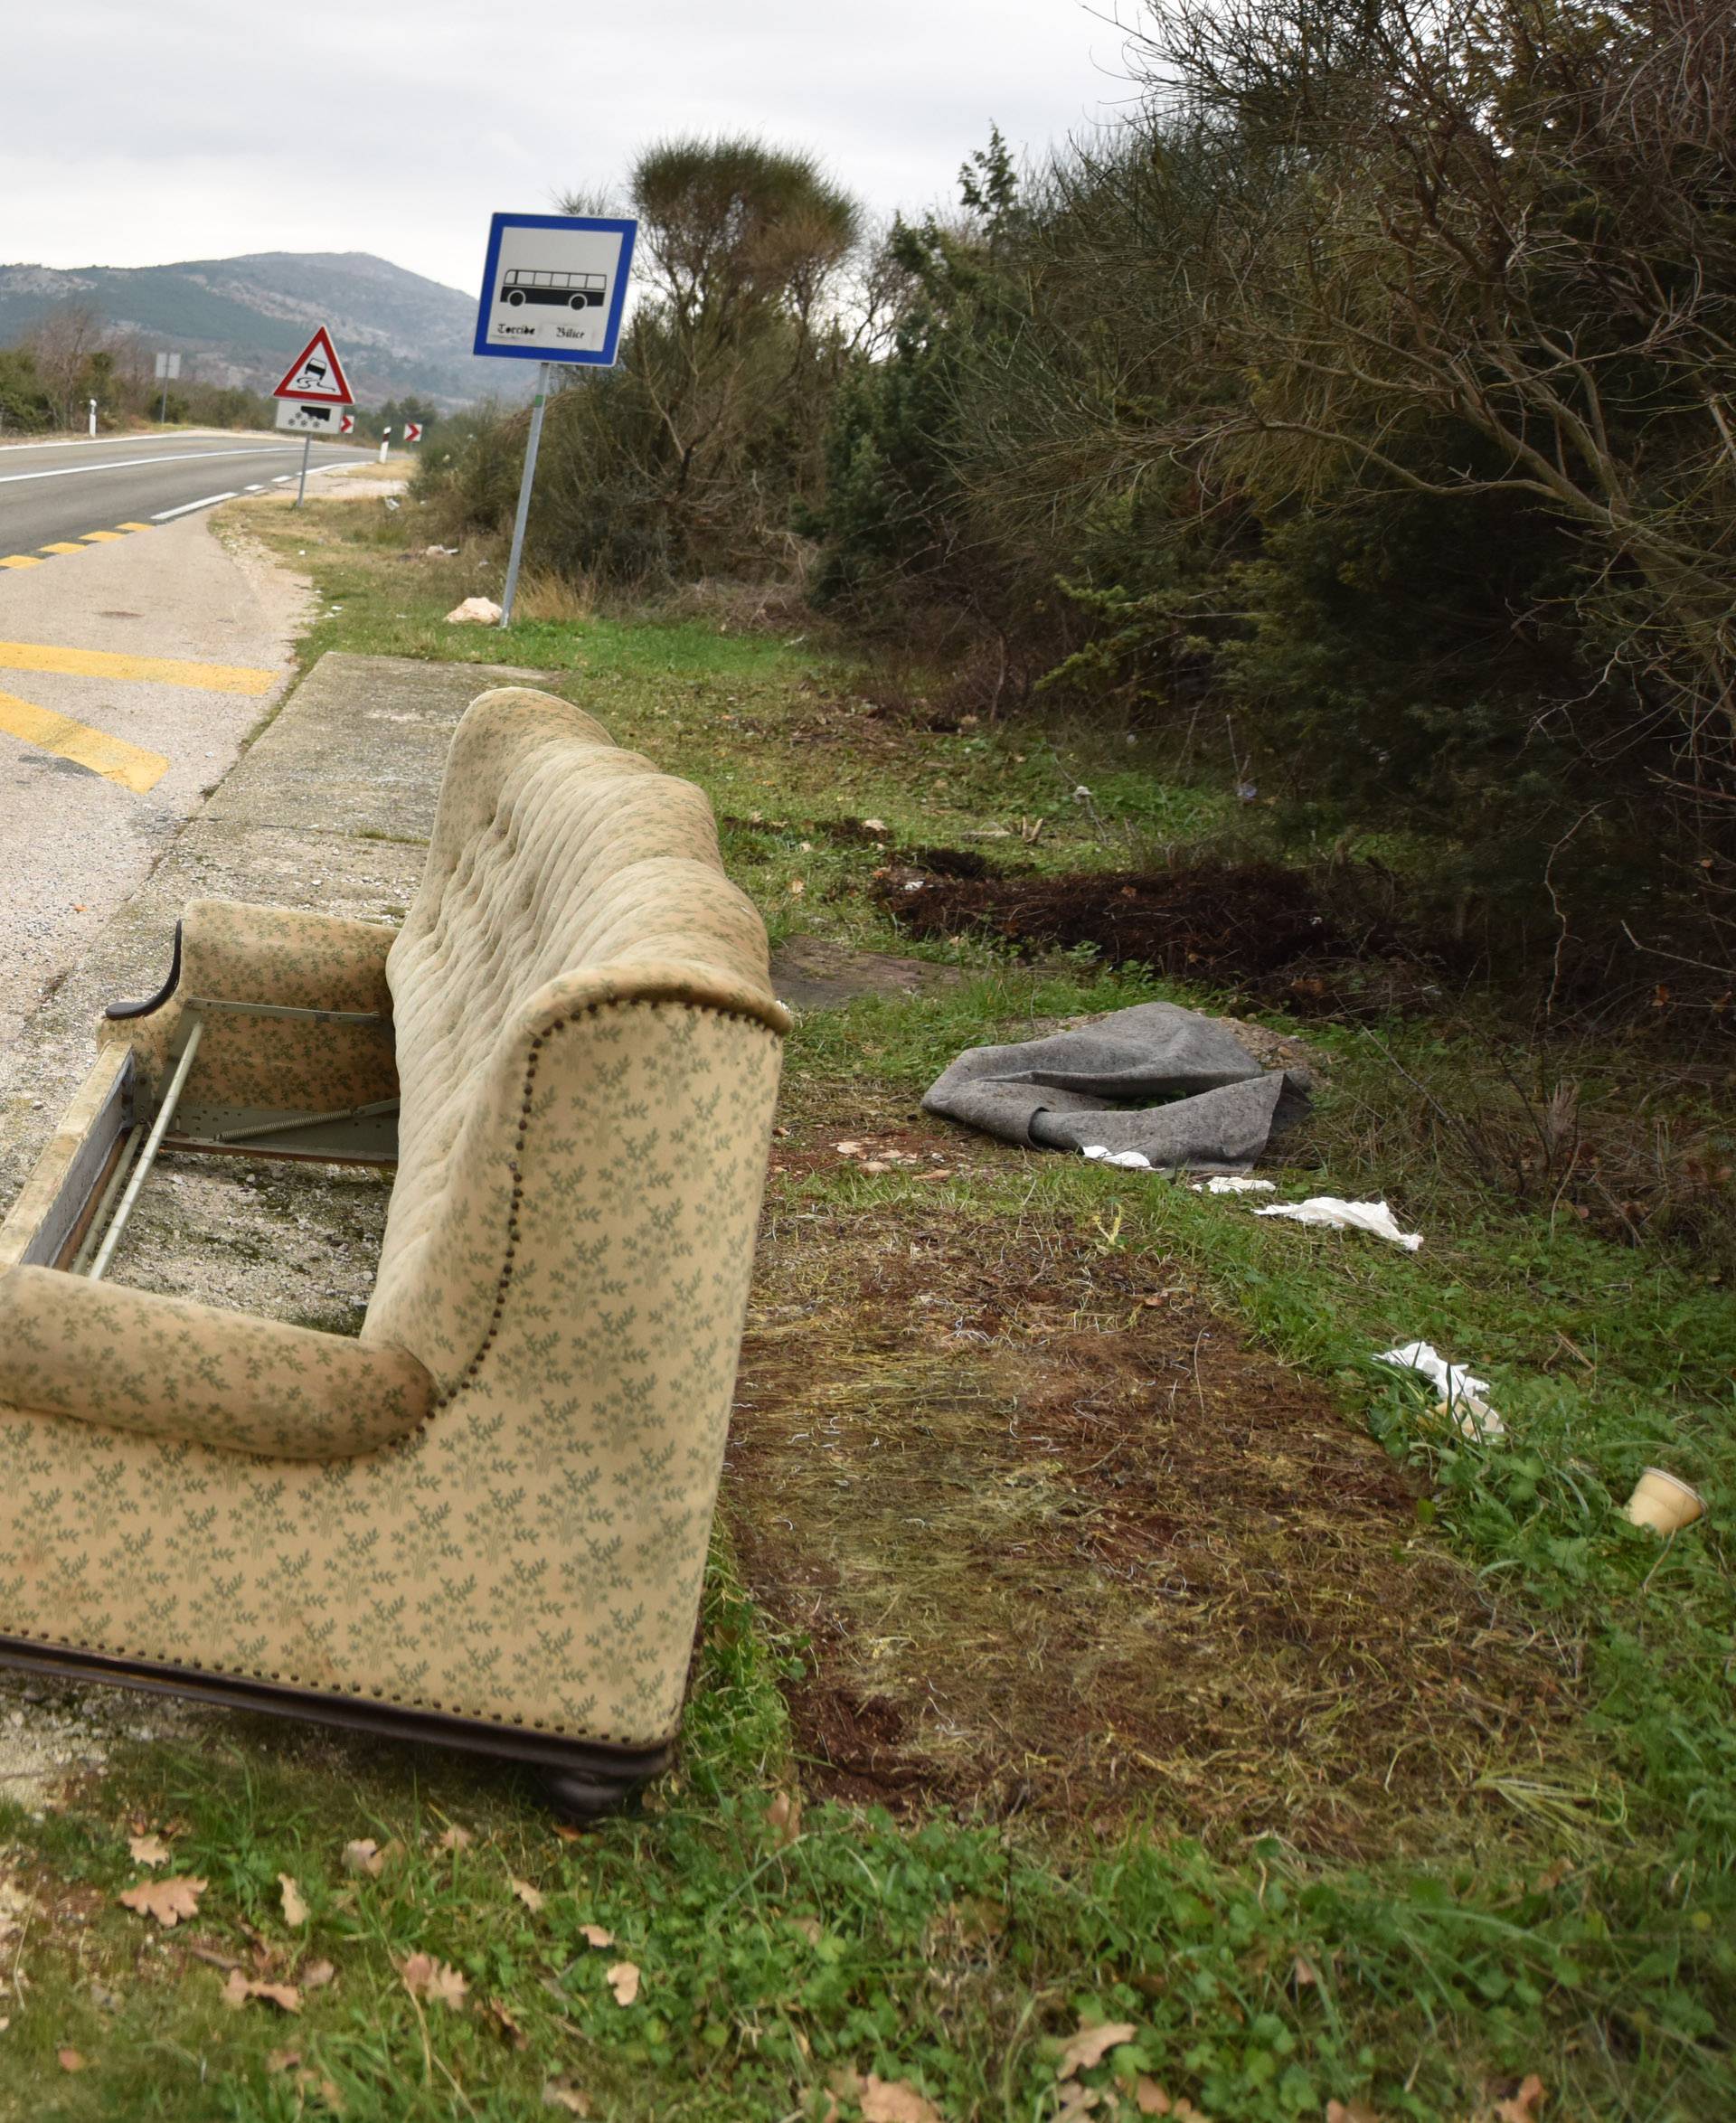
{"points": [[581, 1778]]}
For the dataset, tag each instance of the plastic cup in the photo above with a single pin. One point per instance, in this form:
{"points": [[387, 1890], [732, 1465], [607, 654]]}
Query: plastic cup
{"points": [[1664, 1502]]}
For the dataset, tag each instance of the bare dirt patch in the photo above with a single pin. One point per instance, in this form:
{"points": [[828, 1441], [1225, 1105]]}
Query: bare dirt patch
{"points": [[1057, 1542], [1242, 918]]}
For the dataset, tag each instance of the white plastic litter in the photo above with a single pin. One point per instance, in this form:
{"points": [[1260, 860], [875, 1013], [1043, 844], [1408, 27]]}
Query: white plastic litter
{"points": [[1130, 1160], [1227, 1184], [481, 611], [1346, 1216], [1461, 1393]]}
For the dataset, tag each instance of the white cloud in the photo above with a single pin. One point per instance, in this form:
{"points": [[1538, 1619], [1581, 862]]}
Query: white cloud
{"points": [[200, 128]]}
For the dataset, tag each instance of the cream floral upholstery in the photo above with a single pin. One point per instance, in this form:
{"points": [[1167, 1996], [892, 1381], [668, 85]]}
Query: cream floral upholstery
{"points": [[495, 1506]]}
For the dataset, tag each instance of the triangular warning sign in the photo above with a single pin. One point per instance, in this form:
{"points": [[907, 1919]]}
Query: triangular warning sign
{"points": [[316, 373]]}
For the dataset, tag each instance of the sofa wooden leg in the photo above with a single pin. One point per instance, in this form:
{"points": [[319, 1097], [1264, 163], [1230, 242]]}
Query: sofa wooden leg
{"points": [[587, 1795]]}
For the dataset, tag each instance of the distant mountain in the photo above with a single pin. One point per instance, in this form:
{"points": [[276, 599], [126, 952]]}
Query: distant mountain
{"points": [[243, 320]]}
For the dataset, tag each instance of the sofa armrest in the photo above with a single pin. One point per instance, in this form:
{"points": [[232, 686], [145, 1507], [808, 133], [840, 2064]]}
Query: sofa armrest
{"points": [[282, 959], [98, 1353]]}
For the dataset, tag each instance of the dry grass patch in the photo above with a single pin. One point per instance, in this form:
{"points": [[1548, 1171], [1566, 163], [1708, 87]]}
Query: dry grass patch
{"points": [[1058, 1541]]}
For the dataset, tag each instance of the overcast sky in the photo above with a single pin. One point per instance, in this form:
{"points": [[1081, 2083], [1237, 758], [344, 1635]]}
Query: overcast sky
{"points": [[137, 134]]}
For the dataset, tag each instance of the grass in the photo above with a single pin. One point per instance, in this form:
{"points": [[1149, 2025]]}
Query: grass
{"points": [[1567, 1911]]}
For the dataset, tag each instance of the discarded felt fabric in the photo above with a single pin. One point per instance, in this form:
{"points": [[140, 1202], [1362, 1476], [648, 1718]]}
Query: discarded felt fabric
{"points": [[1073, 1090]]}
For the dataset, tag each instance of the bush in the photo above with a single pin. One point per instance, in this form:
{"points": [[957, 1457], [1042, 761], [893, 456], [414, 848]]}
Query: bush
{"points": [[1367, 387]]}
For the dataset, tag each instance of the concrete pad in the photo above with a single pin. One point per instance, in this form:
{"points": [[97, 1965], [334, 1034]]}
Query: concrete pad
{"points": [[809, 972]]}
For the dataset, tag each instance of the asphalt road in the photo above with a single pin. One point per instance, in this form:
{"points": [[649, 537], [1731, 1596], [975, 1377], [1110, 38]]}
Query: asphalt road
{"points": [[55, 493]]}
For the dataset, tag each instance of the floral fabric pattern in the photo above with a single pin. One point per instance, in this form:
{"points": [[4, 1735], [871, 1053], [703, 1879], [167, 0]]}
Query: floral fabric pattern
{"points": [[101, 1353]]}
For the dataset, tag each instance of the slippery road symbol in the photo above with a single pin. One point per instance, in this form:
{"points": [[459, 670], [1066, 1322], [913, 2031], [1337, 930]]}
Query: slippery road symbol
{"points": [[317, 372]]}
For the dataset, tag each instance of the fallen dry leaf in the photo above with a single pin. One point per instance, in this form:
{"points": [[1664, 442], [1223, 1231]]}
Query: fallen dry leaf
{"points": [[796, 888], [594, 1935], [784, 1815], [894, 2100], [1518, 2108], [363, 1856], [810, 1927], [69, 2060], [294, 1910], [561, 2093], [509, 2028], [624, 1981], [322, 2090], [238, 1990], [1351, 2112], [455, 1838], [282, 2060], [850, 1149], [168, 1901], [316, 1975], [1149, 2097], [1303, 1974], [148, 1850], [424, 1976], [1090, 2045], [567, 1832], [531, 1897]]}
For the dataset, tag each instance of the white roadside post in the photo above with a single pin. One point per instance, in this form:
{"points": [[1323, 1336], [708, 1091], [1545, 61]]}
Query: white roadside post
{"points": [[553, 289], [385, 443], [94, 416]]}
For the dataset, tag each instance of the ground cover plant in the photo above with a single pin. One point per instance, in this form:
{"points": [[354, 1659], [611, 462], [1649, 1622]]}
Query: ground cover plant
{"points": [[1114, 1691]]}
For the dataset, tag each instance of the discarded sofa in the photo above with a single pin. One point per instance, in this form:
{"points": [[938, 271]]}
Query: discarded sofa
{"points": [[1097, 1084], [484, 1522]]}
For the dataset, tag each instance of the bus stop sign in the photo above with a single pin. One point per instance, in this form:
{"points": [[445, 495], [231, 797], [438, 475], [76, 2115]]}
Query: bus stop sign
{"points": [[554, 288]]}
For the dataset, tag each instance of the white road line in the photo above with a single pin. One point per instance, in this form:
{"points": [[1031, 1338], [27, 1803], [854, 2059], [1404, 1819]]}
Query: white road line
{"points": [[257, 487], [121, 464], [283, 479], [187, 508]]}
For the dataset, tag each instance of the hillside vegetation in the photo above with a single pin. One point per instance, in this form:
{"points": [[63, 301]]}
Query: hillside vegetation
{"points": [[239, 322]]}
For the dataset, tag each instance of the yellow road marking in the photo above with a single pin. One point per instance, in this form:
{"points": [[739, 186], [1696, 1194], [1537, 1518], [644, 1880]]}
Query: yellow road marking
{"points": [[20, 559], [135, 526], [95, 663], [63, 547], [102, 538], [111, 756]]}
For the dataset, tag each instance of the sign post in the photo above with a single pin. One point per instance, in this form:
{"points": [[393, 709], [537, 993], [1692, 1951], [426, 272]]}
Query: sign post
{"points": [[554, 290], [168, 368], [314, 396]]}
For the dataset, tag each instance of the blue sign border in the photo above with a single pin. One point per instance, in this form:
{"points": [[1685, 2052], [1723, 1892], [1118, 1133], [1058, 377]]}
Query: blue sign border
{"points": [[603, 357]]}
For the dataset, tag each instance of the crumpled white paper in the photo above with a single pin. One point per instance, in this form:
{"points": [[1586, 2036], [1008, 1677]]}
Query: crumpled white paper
{"points": [[1230, 1183], [1461, 1393], [1346, 1216], [1130, 1160]]}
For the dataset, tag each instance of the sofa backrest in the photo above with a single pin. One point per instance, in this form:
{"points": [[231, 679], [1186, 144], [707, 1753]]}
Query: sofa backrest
{"points": [[561, 866]]}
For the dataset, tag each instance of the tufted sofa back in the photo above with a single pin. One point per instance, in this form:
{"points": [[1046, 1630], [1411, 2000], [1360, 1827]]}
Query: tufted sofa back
{"points": [[560, 866]]}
